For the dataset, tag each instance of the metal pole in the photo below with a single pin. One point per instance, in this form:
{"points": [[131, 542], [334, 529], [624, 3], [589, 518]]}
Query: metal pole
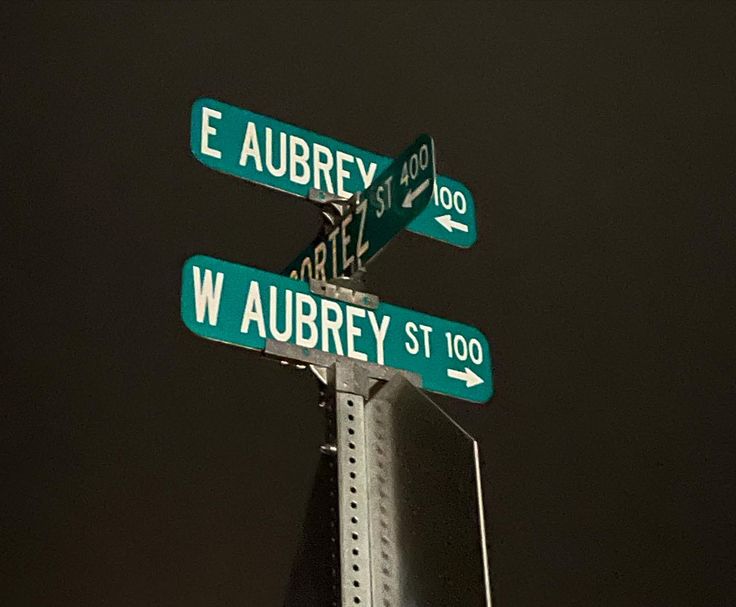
{"points": [[351, 385]]}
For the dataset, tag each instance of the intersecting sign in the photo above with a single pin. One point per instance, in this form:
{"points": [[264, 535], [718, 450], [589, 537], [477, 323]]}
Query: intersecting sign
{"points": [[294, 160], [395, 197], [245, 306]]}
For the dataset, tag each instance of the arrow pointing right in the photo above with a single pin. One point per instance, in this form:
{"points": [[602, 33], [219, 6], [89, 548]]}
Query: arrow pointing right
{"points": [[449, 224], [468, 376]]}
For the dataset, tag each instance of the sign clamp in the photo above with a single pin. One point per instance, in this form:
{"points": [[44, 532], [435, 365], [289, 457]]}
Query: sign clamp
{"points": [[334, 290], [333, 207]]}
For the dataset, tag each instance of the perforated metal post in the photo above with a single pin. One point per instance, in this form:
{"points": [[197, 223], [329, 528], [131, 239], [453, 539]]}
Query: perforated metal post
{"points": [[351, 384]]}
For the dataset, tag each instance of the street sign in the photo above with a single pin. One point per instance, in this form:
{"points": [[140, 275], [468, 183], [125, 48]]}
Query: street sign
{"points": [[394, 198], [291, 159], [245, 307]]}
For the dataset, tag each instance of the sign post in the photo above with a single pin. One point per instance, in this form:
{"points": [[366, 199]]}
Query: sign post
{"points": [[387, 443]]}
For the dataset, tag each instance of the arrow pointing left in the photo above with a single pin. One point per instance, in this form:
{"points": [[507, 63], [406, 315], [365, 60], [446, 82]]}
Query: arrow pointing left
{"points": [[450, 224], [412, 194]]}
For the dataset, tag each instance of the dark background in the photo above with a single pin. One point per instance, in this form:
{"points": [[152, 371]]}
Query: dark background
{"points": [[144, 466]]}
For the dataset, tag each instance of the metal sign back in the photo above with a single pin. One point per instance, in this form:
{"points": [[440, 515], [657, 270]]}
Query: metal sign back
{"points": [[428, 542], [248, 307], [279, 155]]}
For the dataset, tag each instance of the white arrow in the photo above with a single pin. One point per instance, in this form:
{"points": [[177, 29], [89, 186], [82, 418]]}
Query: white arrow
{"points": [[470, 378], [412, 194], [449, 224]]}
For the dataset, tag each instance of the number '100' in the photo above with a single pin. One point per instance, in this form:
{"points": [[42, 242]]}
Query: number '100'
{"points": [[461, 348], [444, 196]]}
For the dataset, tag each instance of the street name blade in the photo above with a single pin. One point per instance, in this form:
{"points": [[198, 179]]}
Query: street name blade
{"points": [[395, 197], [279, 155], [245, 307]]}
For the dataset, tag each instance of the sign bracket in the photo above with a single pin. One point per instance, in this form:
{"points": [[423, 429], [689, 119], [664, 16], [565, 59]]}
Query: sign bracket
{"points": [[296, 355], [333, 207], [336, 290]]}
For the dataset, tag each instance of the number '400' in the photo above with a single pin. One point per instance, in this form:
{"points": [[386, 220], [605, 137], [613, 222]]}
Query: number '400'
{"points": [[417, 162]]}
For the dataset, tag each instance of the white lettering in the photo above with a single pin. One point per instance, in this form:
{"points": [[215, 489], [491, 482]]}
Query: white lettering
{"points": [[208, 130], [380, 333], [306, 319], [476, 351], [353, 332], [205, 298], [269, 154], [426, 329], [306, 268], [273, 309], [411, 333], [332, 238], [331, 325], [253, 310], [320, 256], [298, 159], [322, 166], [347, 262], [251, 148], [342, 174], [362, 246], [366, 175]]}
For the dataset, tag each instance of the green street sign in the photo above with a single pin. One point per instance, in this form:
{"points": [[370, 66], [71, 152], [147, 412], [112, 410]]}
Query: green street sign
{"points": [[245, 306], [393, 199], [291, 159]]}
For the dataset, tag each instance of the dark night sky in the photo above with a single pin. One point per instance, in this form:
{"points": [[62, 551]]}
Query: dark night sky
{"points": [[142, 465]]}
